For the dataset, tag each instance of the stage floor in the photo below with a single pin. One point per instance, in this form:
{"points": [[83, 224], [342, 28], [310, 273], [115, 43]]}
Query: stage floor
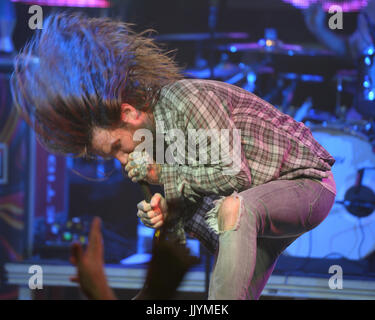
{"points": [[308, 280]]}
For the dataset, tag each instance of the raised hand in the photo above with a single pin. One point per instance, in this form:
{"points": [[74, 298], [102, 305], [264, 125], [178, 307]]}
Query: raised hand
{"points": [[90, 266]]}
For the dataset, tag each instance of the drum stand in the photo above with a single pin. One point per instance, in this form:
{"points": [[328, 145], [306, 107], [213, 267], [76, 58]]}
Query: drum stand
{"points": [[359, 200]]}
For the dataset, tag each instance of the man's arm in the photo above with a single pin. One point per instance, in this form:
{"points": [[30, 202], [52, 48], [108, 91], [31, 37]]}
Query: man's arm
{"points": [[204, 110]]}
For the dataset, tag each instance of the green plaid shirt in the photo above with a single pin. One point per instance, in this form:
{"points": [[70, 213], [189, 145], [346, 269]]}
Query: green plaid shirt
{"points": [[272, 146]]}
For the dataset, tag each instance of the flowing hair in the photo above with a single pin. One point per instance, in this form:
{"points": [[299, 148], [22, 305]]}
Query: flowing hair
{"points": [[76, 72]]}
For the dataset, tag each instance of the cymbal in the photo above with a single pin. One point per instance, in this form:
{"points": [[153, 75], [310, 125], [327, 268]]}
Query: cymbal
{"points": [[201, 36], [301, 77], [273, 47], [222, 70]]}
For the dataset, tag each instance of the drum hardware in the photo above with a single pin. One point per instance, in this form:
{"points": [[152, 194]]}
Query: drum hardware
{"points": [[276, 91], [345, 82], [266, 46], [366, 85], [302, 77], [248, 74], [212, 24], [303, 110], [287, 96], [289, 92], [359, 200], [349, 227], [221, 71], [197, 37], [282, 87], [202, 68], [286, 86], [209, 38]]}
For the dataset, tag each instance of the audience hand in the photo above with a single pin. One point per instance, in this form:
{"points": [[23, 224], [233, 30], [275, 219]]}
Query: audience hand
{"points": [[90, 266]]}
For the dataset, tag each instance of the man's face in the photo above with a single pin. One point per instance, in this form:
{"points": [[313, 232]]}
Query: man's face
{"points": [[118, 143]]}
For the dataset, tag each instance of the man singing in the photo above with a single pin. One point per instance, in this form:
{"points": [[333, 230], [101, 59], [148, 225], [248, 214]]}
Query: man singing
{"points": [[88, 85]]}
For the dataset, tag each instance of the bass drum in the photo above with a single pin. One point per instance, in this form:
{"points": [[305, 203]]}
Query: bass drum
{"points": [[343, 234]]}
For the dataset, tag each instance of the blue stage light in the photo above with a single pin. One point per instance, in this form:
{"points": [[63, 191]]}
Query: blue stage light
{"points": [[367, 61], [233, 49], [366, 84], [371, 95], [251, 77]]}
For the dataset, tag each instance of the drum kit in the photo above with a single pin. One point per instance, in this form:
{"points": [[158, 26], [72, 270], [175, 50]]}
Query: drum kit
{"points": [[347, 133]]}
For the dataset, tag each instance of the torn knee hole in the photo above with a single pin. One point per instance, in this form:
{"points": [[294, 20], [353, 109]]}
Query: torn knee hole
{"points": [[228, 213]]}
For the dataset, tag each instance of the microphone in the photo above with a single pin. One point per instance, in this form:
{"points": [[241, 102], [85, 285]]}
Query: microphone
{"points": [[146, 190], [147, 194]]}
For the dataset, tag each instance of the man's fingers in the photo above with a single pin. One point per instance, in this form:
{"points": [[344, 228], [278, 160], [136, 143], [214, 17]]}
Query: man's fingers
{"points": [[158, 224], [147, 206], [154, 222], [74, 279], [133, 174], [155, 202], [140, 213], [156, 219], [144, 206], [130, 165], [149, 216], [132, 155], [150, 213], [138, 158]]}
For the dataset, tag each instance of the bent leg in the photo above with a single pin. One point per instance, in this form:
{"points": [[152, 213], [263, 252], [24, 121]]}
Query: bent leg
{"points": [[268, 251], [281, 211], [235, 260]]}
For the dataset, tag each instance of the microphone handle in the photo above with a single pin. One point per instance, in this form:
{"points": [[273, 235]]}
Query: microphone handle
{"points": [[146, 190], [147, 194]]}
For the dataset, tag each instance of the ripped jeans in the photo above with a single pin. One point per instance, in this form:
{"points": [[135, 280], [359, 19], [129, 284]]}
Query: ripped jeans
{"points": [[271, 216]]}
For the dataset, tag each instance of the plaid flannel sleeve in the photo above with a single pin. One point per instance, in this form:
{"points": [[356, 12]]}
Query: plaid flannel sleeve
{"points": [[204, 112]]}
